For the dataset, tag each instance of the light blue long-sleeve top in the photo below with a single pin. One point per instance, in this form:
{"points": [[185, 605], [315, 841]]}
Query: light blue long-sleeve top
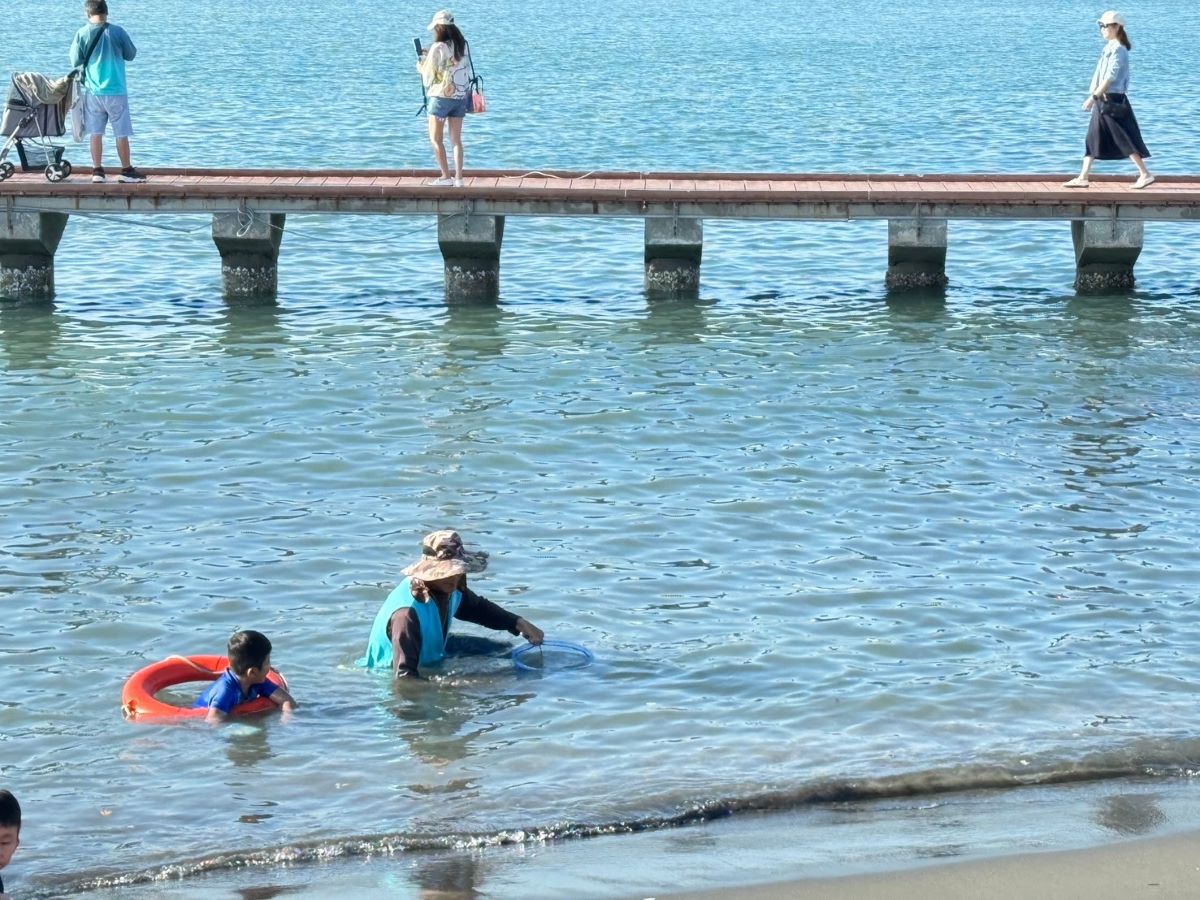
{"points": [[105, 74], [1113, 67]]}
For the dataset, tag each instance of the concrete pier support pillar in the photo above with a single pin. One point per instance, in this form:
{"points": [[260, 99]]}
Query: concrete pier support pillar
{"points": [[27, 244], [249, 248], [673, 250], [470, 248], [916, 254], [1105, 251]]}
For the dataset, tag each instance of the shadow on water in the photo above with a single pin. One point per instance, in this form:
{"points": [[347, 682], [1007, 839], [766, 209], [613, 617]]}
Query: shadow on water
{"points": [[455, 876], [1130, 814], [29, 333], [251, 328]]}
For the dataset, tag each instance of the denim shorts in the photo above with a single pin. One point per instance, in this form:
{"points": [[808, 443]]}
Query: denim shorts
{"points": [[100, 110], [447, 108]]}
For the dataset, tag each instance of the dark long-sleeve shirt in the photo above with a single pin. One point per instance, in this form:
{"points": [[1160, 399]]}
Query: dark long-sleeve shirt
{"points": [[474, 608]]}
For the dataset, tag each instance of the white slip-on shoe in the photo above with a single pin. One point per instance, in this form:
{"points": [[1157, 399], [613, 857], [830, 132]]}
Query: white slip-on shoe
{"points": [[458, 182], [1143, 181], [1076, 182], [441, 182]]}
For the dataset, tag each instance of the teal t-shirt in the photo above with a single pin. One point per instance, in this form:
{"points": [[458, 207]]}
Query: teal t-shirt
{"points": [[105, 76]]}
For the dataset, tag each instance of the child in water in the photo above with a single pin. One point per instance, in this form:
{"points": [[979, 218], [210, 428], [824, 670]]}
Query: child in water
{"points": [[249, 655], [10, 832]]}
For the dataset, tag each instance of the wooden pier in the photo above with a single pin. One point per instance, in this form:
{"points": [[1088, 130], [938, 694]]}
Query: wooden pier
{"points": [[249, 209]]}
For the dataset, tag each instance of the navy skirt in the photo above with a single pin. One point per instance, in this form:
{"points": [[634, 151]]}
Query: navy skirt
{"points": [[1113, 132]]}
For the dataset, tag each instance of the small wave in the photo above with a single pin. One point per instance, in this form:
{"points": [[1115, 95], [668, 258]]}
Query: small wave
{"points": [[1162, 760]]}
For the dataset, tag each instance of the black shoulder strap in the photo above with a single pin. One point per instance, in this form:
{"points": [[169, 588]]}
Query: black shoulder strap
{"points": [[471, 63], [91, 47]]}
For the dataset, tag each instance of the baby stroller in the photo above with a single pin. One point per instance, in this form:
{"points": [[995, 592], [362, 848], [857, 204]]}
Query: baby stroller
{"points": [[36, 111]]}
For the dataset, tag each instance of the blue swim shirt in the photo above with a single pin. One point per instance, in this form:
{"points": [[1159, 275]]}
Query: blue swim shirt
{"points": [[226, 692]]}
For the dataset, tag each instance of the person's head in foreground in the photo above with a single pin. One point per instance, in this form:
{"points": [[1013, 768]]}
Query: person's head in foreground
{"points": [[10, 827]]}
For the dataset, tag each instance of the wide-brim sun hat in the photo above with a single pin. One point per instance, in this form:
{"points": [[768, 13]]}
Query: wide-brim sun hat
{"points": [[1112, 17], [448, 544], [441, 17], [430, 569]]}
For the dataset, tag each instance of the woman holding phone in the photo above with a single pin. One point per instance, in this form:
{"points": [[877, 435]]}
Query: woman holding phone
{"points": [[1113, 131], [446, 73]]}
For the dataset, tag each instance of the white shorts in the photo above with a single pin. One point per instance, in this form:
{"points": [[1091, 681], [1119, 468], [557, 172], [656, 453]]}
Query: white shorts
{"points": [[99, 111]]}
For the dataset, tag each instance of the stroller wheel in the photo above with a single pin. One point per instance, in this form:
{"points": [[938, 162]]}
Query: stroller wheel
{"points": [[66, 167], [6, 170], [55, 173]]}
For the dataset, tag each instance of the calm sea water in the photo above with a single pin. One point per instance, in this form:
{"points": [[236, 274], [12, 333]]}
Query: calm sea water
{"points": [[824, 543]]}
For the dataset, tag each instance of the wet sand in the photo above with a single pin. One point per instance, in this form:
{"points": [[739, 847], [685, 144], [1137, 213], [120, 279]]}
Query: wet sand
{"points": [[1162, 868]]}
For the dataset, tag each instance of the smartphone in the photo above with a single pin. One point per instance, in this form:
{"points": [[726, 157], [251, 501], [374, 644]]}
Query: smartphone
{"points": [[417, 47]]}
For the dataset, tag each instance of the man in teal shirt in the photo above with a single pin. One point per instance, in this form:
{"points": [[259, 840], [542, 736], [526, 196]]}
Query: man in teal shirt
{"points": [[105, 96]]}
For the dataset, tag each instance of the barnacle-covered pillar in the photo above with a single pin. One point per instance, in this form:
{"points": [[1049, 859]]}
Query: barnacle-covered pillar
{"points": [[249, 247], [28, 241], [470, 246], [1105, 252], [674, 247], [916, 254]]}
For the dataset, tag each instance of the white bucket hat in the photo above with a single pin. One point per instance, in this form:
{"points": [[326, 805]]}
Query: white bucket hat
{"points": [[445, 17], [1109, 18]]}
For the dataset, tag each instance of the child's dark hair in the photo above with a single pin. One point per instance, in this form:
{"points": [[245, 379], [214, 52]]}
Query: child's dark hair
{"points": [[10, 811], [95, 8], [248, 650]]}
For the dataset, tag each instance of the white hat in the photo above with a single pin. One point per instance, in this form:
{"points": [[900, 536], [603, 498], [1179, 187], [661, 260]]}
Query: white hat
{"points": [[1111, 18], [445, 17]]}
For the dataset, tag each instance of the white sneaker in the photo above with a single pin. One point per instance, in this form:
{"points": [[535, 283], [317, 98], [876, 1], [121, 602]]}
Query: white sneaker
{"points": [[442, 182], [1143, 181], [1076, 182], [458, 182]]}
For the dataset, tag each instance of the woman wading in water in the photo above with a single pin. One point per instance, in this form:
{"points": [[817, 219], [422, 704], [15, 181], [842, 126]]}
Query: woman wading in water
{"points": [[1113, 131]]}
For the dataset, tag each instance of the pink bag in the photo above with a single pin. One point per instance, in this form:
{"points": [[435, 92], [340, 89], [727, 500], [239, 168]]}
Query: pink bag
{"points": [[478, 101]]}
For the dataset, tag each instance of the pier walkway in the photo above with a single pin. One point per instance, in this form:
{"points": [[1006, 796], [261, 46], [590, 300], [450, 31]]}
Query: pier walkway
{"points": [[249, 209]]}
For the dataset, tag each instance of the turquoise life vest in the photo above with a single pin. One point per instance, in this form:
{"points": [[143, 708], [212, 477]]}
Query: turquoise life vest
{"points": [[433, 640]]}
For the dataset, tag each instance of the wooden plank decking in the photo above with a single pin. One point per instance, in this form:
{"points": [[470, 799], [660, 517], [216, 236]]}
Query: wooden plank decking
{"points": [[561, 193]]}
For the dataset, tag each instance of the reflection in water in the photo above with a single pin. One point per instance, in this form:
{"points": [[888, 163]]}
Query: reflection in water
{"points": [[674, 320], [252, 328], [1130, 814], [1102, 324], [29, 333], [926, 305], [246, 744], [476, 328], [1104, 453], [437, 713]]}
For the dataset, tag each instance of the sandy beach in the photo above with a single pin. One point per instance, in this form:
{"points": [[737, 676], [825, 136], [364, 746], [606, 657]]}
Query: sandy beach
{"points": [[1162, 868]]}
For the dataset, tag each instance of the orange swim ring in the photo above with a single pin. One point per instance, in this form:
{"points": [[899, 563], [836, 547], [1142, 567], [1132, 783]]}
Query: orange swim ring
{"points": [[138, 700]]}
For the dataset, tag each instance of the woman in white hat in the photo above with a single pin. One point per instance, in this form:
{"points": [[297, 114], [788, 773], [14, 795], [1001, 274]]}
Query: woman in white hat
{"points": [[446, 73], [1113, 131], [412, 626]]}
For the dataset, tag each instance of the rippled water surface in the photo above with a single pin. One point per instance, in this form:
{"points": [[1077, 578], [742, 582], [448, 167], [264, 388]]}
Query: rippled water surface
{"points": [[814, 535]]}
